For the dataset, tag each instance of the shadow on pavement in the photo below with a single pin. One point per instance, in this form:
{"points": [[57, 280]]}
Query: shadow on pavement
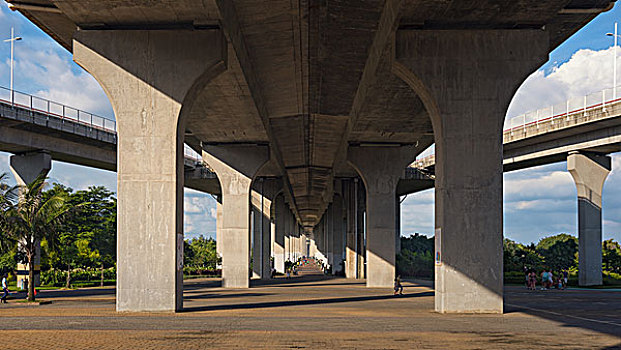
{"points": [[223, 296], [302, 302], [594, 310]]}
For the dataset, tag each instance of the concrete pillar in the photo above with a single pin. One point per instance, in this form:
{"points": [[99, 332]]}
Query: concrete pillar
{"points": [[354, 265], [148, 76], [261, 243], [219, 227], [380, 169], [589, 171], [279, 246], [397, 225], [26, 168], [235, 165], [466, 80], [338, 235]]}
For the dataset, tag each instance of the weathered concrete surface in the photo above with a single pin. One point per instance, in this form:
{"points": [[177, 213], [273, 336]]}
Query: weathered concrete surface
{"points": [[466, 80], [236, 166], [134, 68], [380, 169], [589, 172], [355, 204]]}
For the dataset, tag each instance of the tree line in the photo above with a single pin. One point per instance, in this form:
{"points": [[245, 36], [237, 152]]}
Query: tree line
{"points": [[76, 232], [558, 252]]}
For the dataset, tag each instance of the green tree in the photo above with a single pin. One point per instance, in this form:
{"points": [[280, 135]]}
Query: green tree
{"points": [[8, 246], [88, 238], [33, 218], [611, 256], [202, 253], [517, 256], [559, 251]]}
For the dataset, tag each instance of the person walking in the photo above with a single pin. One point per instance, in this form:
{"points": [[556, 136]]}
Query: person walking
{"points": [[398, 286], [565, 278], [5, 289]]}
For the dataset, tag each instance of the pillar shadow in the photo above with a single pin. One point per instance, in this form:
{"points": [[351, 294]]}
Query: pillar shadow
{"points": [[595, 310], [324, 301]]}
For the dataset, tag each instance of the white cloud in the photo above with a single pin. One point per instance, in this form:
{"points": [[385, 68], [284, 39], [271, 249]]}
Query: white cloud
{"points": [[587, 71], [553, 184], [61, 82]]}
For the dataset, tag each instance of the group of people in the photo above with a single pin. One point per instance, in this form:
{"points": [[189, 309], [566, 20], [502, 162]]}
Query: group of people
{"points": [[548, 279]]}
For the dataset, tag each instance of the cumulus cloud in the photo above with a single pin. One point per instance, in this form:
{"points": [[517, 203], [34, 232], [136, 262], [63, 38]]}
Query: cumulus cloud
{"points": [[586, 72], [62, 82]]}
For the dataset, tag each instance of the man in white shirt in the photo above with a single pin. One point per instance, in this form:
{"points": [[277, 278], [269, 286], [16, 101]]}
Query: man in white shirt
{"points": [[5, 289]]}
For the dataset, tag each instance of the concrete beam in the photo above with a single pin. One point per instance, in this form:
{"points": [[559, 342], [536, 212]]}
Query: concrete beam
{"points": [[589, 172]]}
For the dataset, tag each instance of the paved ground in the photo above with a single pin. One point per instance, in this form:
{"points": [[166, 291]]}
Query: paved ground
{"points": [[311, 313]]}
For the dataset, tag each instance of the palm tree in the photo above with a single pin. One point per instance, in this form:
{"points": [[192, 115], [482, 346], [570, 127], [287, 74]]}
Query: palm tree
{"points": [[7, 198], [32, 218]]}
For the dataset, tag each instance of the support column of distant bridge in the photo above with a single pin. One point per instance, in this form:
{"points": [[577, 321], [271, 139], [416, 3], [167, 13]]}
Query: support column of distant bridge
{"points": [[466, 80], [26, 168], [589, 172], [151, 78]]}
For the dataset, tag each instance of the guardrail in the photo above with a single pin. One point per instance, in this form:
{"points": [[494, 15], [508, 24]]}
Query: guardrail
{"points": [[63, 112], [55, 109], [573, 108]]}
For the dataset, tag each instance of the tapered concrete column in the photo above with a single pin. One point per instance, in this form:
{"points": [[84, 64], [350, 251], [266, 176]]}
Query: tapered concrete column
{"points": [[466, 80], [219, 227], [338, 230], [148, 76], [589, 171], [354, 263], [26, 168], [380, 169], [278, 248], [235, 166], [397, 225], [261, 242]]}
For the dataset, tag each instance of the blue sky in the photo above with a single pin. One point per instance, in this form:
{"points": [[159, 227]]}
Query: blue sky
{"points": [[537, 202]]}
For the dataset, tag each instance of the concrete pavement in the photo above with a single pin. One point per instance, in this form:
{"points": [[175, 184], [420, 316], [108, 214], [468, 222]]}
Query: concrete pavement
{"points": [[314, 312]]}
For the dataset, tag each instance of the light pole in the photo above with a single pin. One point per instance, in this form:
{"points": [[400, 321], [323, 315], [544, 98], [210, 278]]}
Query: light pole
{"points": [[614, 63], [12, 40]]}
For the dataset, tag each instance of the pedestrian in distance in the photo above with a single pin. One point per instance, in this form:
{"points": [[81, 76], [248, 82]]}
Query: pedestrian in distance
{"points": [[5, 289], [544, 279], [565, 278], [398, 286]]}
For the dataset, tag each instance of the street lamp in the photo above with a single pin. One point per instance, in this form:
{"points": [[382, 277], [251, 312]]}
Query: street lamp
{"points": [[614, 63], [12, 40]]}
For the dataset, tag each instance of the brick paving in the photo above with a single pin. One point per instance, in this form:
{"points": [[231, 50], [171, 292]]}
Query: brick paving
{"points": [[313, 312]]}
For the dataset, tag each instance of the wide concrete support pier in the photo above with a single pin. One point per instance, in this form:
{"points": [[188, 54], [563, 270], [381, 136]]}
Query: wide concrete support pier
{"points": [[589, 171], [235, 166], [380, 169], [26, 168], [466, 80], [149, 75]]}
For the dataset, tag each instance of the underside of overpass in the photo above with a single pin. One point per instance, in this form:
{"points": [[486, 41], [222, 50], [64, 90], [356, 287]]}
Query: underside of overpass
{"points": [[309, 92]]}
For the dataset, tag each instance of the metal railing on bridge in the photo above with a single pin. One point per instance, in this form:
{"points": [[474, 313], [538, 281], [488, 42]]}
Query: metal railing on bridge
{"points": [[574, 111], [55, 110], [59, 111]]}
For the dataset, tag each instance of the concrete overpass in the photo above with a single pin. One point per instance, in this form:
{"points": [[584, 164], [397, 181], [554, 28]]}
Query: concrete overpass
{"points": [[307, 93]]}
